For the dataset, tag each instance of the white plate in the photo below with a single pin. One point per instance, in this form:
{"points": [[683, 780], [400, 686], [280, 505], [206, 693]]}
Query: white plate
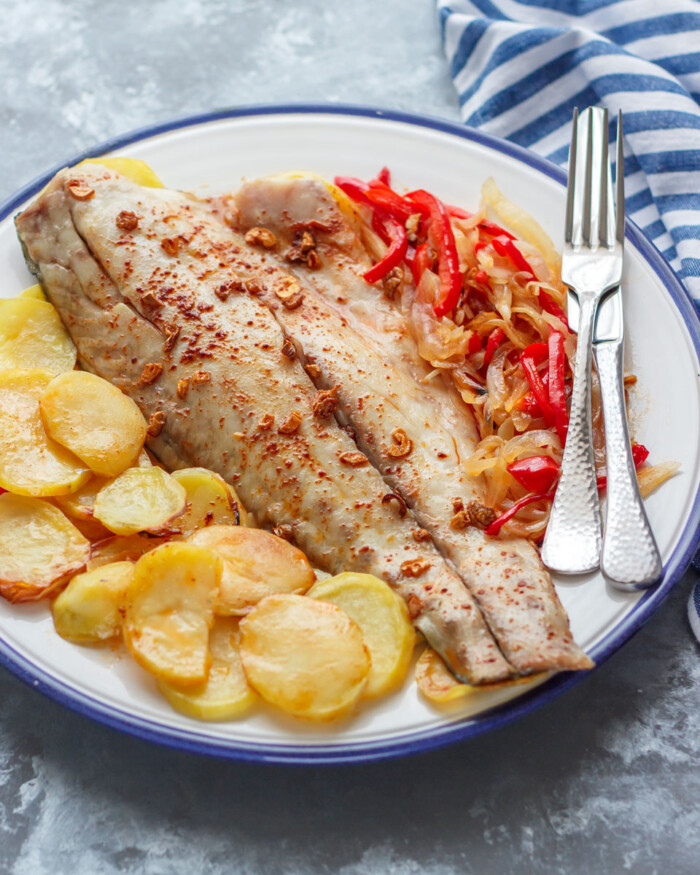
{"points": [[213, 154]]}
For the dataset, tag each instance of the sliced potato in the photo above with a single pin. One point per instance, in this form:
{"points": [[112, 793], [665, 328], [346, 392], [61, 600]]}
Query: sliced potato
{"points": [[88, 609], [121, 549], [93, 419], [169, 611], [140, 500], [210, 501], [93, 529], [32, 336], [31, 463], [226, 693], [133, 168], [39, 548], [256, 564], [307, 657], [80, 505], [436, 683], [36, 292], [383, 618]]}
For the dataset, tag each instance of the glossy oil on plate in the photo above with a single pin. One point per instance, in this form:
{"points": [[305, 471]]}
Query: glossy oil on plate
{"points": [[213, 154]]}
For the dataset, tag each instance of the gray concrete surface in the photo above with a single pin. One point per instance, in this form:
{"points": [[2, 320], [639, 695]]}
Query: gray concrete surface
{"points": [[604, 780]]}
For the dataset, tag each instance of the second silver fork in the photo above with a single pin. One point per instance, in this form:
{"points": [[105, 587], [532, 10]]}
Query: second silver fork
{"points": [[591, 267]]}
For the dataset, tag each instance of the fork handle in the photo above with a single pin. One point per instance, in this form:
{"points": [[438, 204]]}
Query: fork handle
{"points": [[573, 540], [630, 557]]}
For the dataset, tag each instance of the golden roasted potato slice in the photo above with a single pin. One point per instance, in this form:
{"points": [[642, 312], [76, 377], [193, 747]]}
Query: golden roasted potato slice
{"points": [[31, 463], [133, 168], [39, 548], [93, 529], [94, 420], [169, 611], [226, 693], [210, 500], [36, 292], [116, 548], [256, 564], [32, 336], [88, 609], [80, 505], [140, 500], [305, 656], [383, 618], [436, 683]]}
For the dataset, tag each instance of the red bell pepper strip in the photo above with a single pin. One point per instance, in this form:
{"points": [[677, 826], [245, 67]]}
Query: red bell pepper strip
{"points": [[474, 344], [557, 389], [392, 203], [549, 305], [384, 176], [504, 246], [500, 521], [639, 456], [539, 352], [458, 212], [354, 188], [495, 339], [394, 234], [530, 357], [379, 226], [481, 277], [448, 260], [495, 230], [535, 473], [421, 208], [421, 262], [528, 404]]}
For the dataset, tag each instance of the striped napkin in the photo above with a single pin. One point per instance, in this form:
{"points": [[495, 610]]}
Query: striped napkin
{"points": [[521, 66]]}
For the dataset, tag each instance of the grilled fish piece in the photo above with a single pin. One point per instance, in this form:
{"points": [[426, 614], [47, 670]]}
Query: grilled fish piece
{"points": [[145, 277], [414, 429]]}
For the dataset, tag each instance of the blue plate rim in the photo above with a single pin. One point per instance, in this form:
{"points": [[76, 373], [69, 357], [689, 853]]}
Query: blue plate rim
{"points": [[190, 740]]}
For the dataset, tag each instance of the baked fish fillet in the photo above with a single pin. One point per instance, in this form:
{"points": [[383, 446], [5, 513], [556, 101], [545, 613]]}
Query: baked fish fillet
{"points": [[416, 431], [147, 277]]}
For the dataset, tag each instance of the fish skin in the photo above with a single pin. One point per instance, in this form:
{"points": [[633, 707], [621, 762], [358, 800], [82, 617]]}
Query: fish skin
{"points": [[122, 294], [357, 338]]}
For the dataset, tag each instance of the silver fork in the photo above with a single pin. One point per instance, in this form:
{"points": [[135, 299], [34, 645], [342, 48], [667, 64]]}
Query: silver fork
{"points": [[630, 557], [591, 267]]}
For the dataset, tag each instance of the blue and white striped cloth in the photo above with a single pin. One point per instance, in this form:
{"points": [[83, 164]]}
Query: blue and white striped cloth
{"points": [[521, 66]]}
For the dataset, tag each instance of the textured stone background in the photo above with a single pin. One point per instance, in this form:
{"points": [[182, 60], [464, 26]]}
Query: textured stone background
{"points": [[606, 779]]}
